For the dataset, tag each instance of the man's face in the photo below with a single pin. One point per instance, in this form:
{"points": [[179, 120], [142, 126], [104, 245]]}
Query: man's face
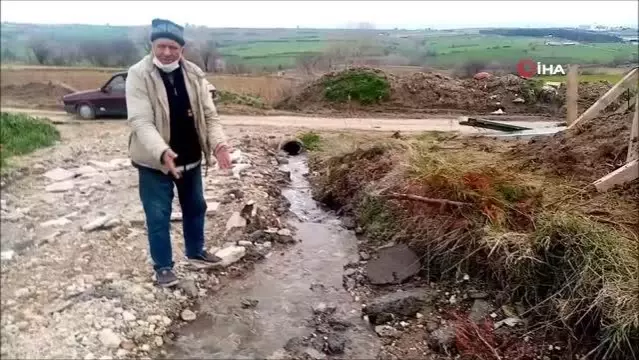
{"points": [[167, 50]]}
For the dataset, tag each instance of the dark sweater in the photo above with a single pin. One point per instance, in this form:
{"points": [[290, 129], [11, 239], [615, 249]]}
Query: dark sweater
{"points": [[184, 139]]}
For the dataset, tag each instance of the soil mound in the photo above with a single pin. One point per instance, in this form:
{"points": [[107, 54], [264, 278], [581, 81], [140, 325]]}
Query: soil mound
{"points": [[586, 152], [435, 92], [35, 95]]}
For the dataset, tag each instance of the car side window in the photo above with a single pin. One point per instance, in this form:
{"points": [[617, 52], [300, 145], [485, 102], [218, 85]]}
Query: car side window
{"points": [[117, 84]]}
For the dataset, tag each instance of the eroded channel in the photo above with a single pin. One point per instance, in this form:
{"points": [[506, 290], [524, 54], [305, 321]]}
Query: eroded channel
{"points": [[287, 287]]}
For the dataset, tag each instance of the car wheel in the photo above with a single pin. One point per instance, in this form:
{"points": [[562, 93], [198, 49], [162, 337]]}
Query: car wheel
{"points": [[86, 112]]}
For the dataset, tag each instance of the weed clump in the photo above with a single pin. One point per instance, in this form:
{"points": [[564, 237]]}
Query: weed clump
{"points": [[21, 134], [365, 87]]}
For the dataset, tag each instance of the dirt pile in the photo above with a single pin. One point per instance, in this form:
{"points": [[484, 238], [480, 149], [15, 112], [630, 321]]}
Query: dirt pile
{"points": [[435, 92], [585, 153], [35, 95]]}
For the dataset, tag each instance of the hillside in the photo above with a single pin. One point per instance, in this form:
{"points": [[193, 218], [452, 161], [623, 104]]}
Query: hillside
{"points": [[236, 50]]}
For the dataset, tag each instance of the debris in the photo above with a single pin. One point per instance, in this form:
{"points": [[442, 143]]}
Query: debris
{"points": [[493, 125], [511, 321], [394, 265], [61, 186], [100, 223], [387, 331], [480, 309], [56, 222], [189, 288], [322, 308], [249, 303], [235, 221], [109, 338], [188, 315], [519, 101], [498, 112], [405, 303], [230, 255], [364, 256], [59, 174], [442, 339], [7, 255], [477, 295]]}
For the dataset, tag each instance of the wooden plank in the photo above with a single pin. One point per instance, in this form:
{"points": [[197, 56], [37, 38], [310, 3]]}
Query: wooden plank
{"points": [[493, 125], [624, 174], [628, 104], [633, 143], [572, 85], [629, 80]]}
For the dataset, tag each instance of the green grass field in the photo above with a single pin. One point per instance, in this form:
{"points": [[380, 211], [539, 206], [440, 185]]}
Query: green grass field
{"points": [[282, 48]]}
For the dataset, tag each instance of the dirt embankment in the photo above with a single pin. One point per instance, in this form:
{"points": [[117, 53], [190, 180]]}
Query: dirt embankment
{"points": [[429, 92], [540, 248], [35, 95]]}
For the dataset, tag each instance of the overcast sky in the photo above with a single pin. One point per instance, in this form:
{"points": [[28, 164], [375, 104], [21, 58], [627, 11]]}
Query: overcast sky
{"points": [[327, 14]]}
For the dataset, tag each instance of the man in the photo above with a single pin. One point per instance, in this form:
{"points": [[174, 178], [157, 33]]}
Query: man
{"points": [[173, 121]]}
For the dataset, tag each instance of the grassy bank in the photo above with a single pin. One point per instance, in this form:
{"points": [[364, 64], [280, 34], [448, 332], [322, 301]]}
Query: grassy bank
{"points": [[467, 207], [21, 134]]}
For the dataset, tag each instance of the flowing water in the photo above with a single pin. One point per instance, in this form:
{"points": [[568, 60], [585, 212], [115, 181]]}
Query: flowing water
{"points": [[286, 286]]}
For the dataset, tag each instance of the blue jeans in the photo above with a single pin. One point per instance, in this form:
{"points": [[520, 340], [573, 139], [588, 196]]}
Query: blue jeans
{"points": [[156, 193]]}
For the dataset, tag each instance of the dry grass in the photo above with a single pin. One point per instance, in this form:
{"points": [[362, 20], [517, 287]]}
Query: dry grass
{"points": [[573, 270], [268, 88]]}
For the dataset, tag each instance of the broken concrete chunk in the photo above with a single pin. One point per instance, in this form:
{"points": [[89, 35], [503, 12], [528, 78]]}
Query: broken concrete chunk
{"points": [[230, 255], [7, 255], [387, 331], [235, 221], [59, 174], [394, 265], [61, 186]]}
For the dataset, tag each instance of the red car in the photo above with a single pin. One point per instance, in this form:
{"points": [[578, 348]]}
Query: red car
{"points": [[107, 101]]}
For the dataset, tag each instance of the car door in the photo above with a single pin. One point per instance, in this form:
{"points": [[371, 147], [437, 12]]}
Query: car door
{"points": [[113, 100]]}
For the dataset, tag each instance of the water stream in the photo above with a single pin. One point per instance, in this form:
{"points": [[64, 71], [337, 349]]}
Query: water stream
{"points": [[287, 285]]}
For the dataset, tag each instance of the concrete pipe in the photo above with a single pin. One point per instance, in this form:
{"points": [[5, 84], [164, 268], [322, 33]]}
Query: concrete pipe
{"points": [[291, 146]]}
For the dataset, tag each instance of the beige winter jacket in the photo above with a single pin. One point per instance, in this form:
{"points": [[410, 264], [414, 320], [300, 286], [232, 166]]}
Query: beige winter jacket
{"points": [[148, 113]]}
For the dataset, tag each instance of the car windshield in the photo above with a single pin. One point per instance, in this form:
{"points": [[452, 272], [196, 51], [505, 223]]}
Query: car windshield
{"points": [[117, 84]]}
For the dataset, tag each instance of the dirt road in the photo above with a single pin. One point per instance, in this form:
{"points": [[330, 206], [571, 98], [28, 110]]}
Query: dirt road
{"points": [[439, 123]]}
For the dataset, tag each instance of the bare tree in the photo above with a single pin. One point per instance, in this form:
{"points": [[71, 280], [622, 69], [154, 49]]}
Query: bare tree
{"points": [[105, 53]]}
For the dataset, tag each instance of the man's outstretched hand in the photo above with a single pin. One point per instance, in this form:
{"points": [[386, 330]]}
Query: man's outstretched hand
{"points": [[223, 157], [168, 159]]}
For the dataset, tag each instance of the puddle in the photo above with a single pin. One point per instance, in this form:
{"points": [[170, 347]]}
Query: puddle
{"points": [[286, 286]]}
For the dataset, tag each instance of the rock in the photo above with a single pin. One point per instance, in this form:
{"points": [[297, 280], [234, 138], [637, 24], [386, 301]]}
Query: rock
{"points": [[394, 265], [235, 221], [387, 331], [349, 223], [322, 308], [335, 344], [189, 288], [89, 356], [98, 223], [7, 255], [349, 272], [188, 315], [442, 339], [230, 255], [59, 174], [109, 338], [22, 292], [364, 256], [518, 101], [405, 303], [478, 295], [128, 316], [245, 243], [432, 326], [121, 353], [56, 222], [314, 354], [128, 345], [158, 341], [511, 321], [145, 347], [479, 311], [61, 186], [498, 112], [257, 235], [249, 303], [285, 236]]}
